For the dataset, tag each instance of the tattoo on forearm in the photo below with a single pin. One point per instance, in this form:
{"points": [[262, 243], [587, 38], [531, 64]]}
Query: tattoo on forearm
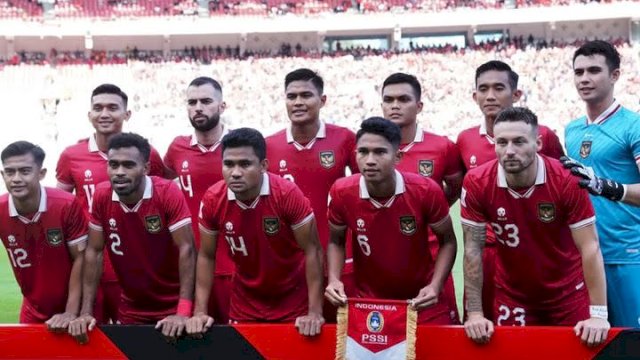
{"points": [[474, 240]]}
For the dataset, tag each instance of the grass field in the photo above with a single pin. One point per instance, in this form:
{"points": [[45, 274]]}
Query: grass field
{"points": [[10, 297]]}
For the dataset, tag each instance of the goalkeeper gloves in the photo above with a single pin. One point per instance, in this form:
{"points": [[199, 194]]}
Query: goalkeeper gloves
{"points": [[607, 188]]}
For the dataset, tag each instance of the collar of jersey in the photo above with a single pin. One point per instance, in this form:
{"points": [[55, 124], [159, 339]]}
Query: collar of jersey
{"points": [[364, 193], [264, 191], [93, 146], [606, 115], [148, 193], [541, 178], [13, 212], [417, 139], [321, 134], [212, 148]]}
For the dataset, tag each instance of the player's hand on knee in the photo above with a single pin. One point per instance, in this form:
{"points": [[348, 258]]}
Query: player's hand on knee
{"points": [[59, 323], [80, 327], [310, 324], [593, 331], [427, 296], [478, 328], [199, 324], [172, 326], [335, 293]]}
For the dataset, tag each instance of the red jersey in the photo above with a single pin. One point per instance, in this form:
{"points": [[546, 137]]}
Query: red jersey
{"points": [[477, 147], [38, 247], [83, 166], [198, 167], [538, 262], [391, 253], [431, 155], [314, 167], [138, 239], [269, 283]]}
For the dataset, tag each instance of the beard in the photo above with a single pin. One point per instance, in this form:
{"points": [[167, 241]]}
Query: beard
{"points": [[211, 122]]}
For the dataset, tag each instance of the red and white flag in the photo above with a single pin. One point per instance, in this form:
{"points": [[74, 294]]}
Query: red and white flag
{"points": [[375, 329]]}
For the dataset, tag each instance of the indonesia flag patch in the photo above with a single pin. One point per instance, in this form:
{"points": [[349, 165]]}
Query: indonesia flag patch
{"points": [[375, 329]]}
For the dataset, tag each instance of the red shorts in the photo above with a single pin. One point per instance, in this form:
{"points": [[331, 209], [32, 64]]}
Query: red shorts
{"points": [[29, 315], [107, 302], [219, 298], [509, 312], [448, 293], [438, 314]]}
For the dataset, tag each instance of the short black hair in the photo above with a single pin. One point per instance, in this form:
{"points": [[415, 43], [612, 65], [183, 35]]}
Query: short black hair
{"points": [[599, 47], [402, 78], [245, 137], [110, 89], [497, 65], [203, 80], [125, 140], [22, 148], [517, 113], [304, 74], [383, 127]]}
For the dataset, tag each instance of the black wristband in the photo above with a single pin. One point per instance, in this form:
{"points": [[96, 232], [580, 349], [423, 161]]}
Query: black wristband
{"points": [[612, 190]]}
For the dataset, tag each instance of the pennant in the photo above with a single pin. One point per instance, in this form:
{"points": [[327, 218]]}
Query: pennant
{"points": [[375, 329]]}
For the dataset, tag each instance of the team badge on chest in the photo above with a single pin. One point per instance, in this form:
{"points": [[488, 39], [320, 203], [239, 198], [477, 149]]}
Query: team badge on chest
{"points": [[585, 149], [271, 226], [425, 167], [54, 237], [153, 224], [408, 225], [327, 159], [546, 212]]}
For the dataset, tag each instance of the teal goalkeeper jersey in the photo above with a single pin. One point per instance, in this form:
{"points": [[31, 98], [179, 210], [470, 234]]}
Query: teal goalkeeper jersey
{"points": [[611, 146]]}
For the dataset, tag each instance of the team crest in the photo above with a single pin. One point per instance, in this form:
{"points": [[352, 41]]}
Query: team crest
{"points": [[54, 237], [408, 225], [271, 226], [153, 224], [425, 167], [585, 149], [375, 322], [546, 212], [327, 159]]}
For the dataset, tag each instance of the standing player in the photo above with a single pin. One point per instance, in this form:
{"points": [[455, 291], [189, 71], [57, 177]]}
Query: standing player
{"points": [[388, 213], [45, 233], [549, 269], [84, 165], [423, 153], [310, 152], [496, 89], [144, 224], [607, 142], [269, 228], [196, 161]]}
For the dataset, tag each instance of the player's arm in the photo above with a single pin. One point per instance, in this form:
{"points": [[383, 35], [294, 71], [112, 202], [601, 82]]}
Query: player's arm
{"points": [[63, 174], [477, 327], [205, 266], [453, 186], [428, 295], [592, 331], [172, 326], [60, 322], [454, 173], [91, 273], [608, 188], [306, 236], [335, 262]]}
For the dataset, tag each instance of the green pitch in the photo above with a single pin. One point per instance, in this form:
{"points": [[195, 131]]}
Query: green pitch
{"points": [[10, 297]]}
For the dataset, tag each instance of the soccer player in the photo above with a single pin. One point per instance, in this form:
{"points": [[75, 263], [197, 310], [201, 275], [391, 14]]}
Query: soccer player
{"points": [[388, 213], [310, 152], [144, 223], [84, 165], [549, 268], [496, 88], [45, 233], [423, 153], [607, 142], [196, 161], [270, 231]]}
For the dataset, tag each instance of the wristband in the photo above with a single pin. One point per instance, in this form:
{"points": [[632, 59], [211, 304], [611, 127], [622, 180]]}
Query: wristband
{"points": [[599, 311], [185, 308]]}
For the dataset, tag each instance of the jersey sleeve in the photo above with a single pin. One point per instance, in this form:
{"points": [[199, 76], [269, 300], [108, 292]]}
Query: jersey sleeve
{"points": [[63, 172], [177, 210], [577, 204], [551, 145], [351, 153], [296, 207], [169, 157], [436, 207], [76, 224], [335, 209], [208, 220], [471, 212], [454, 163], [156, 165], [97, 210], [634, 143]]}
